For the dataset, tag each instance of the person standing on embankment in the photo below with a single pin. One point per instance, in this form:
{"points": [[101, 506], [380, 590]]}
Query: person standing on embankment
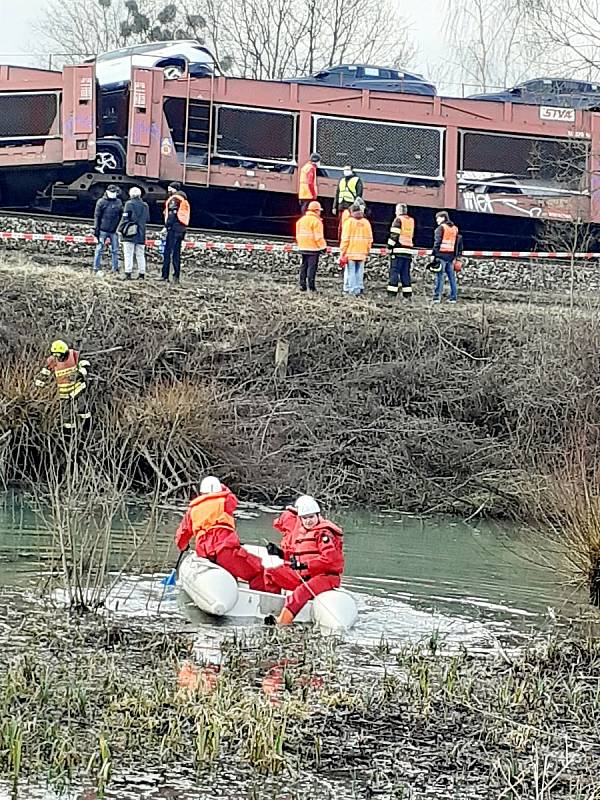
{"points": [[307, 182], [311, 242], [313, 553], [357, 238], [445, 249], [70, 372], [177, 220], [136, 216], [349, 189], [107, 216], [400, 244]]}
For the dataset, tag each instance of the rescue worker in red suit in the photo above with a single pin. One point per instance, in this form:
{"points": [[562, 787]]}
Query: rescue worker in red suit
{"points": [[209, 522], [313, 554]]}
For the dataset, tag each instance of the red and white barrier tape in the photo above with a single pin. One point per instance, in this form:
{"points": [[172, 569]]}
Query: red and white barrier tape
{"points": [[268, 247]]}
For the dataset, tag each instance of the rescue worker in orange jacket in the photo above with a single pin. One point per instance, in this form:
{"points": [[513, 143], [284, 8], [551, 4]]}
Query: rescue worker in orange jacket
{"points": [[355, 246], [307, 182], [445, 250], [313, 552], [177, 220], [210, 524], [400, 243], [70, 372], [311, 242]]}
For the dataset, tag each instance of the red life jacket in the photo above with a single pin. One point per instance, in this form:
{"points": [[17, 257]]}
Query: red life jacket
{"points": [[213, 527], [323, 542], [66, 374]]}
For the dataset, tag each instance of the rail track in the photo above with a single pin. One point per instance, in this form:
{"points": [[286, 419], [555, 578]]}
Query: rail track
{"points": [[81, 220]]}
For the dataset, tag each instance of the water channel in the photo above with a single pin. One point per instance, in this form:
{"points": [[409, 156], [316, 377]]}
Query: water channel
{"points": [[471, 583], [477, 585]]}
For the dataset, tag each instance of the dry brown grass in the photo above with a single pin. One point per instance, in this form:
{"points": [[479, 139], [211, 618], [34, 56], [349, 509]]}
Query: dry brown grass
{"points": [[444, 409], [569, 508]]}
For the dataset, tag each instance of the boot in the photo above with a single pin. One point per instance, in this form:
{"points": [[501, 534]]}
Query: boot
{"points": [[286, 617], [127, 276], [141, 276]]}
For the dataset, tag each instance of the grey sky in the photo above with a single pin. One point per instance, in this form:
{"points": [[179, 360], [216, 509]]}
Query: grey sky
{"points": [[17, 40]]}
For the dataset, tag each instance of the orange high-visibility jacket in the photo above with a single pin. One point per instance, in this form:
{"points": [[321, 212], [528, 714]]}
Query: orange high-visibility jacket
{"points": [[320, 548], [309, 233], [448, 238], [209, 521], [357, 238], [307, 186], [67, 375], [183, 209]]}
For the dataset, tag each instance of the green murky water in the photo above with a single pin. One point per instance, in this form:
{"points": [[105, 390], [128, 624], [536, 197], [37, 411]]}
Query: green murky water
{"points": [[471, 583]]}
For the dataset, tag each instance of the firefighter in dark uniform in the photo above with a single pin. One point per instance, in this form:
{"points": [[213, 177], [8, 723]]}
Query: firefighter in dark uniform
{"points": [[400, 245], [69, 372]]}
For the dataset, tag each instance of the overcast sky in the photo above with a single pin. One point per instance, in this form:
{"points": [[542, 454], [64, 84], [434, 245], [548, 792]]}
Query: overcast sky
{"points": [[17, 40]]}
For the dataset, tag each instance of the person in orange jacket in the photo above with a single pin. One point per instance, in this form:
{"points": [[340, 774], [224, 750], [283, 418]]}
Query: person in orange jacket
{"points": [[210, 524], [311, 242], [177, 219], [307, 182], [313, 552], [355, 246]]}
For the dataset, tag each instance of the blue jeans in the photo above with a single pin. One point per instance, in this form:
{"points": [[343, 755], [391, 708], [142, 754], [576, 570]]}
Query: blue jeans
{"points": [[354, 273], [440, 277], [114, 250]]}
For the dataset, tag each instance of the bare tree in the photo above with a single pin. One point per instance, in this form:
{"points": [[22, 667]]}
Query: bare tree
{"points": [[568, 31], [111, 24], [266, 39], [491, 42]]}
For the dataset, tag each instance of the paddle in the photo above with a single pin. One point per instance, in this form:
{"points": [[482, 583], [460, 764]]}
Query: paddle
{"points": [[171, 578]]}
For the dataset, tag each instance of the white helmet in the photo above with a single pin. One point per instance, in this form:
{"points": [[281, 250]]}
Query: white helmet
{"points": [[210, 485], [307, 505]]}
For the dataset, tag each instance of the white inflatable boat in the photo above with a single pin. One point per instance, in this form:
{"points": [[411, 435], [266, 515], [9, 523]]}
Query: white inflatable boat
{"points": [[216, 591]]}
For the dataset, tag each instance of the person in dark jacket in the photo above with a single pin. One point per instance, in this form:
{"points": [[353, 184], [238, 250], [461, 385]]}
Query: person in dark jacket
{"points": [[136, 216], [106, 221], [445, 249], [177, 219]]}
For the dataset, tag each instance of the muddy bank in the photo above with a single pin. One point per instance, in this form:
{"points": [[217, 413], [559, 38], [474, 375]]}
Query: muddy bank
{"points": [[283, 714], [425, 409]]}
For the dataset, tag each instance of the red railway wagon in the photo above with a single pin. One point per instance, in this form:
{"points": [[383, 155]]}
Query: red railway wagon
{"points": [[47, 128], [237, 144], [217, 132], [243, 141], [60, 135]]}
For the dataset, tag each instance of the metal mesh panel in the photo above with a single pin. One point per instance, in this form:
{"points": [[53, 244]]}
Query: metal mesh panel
{"points": [[379, 147], [561, 161], [256, 135], [26, 116]]}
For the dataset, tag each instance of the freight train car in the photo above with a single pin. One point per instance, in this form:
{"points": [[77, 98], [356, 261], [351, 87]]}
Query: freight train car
{"points": [[237, 145], [60, 136]]}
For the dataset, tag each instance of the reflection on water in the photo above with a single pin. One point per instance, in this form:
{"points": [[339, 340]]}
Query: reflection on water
{"points": [[472, 584]]}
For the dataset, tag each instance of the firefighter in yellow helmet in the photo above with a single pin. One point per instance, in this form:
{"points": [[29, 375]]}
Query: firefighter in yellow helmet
{"points": [[69, 372]]}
